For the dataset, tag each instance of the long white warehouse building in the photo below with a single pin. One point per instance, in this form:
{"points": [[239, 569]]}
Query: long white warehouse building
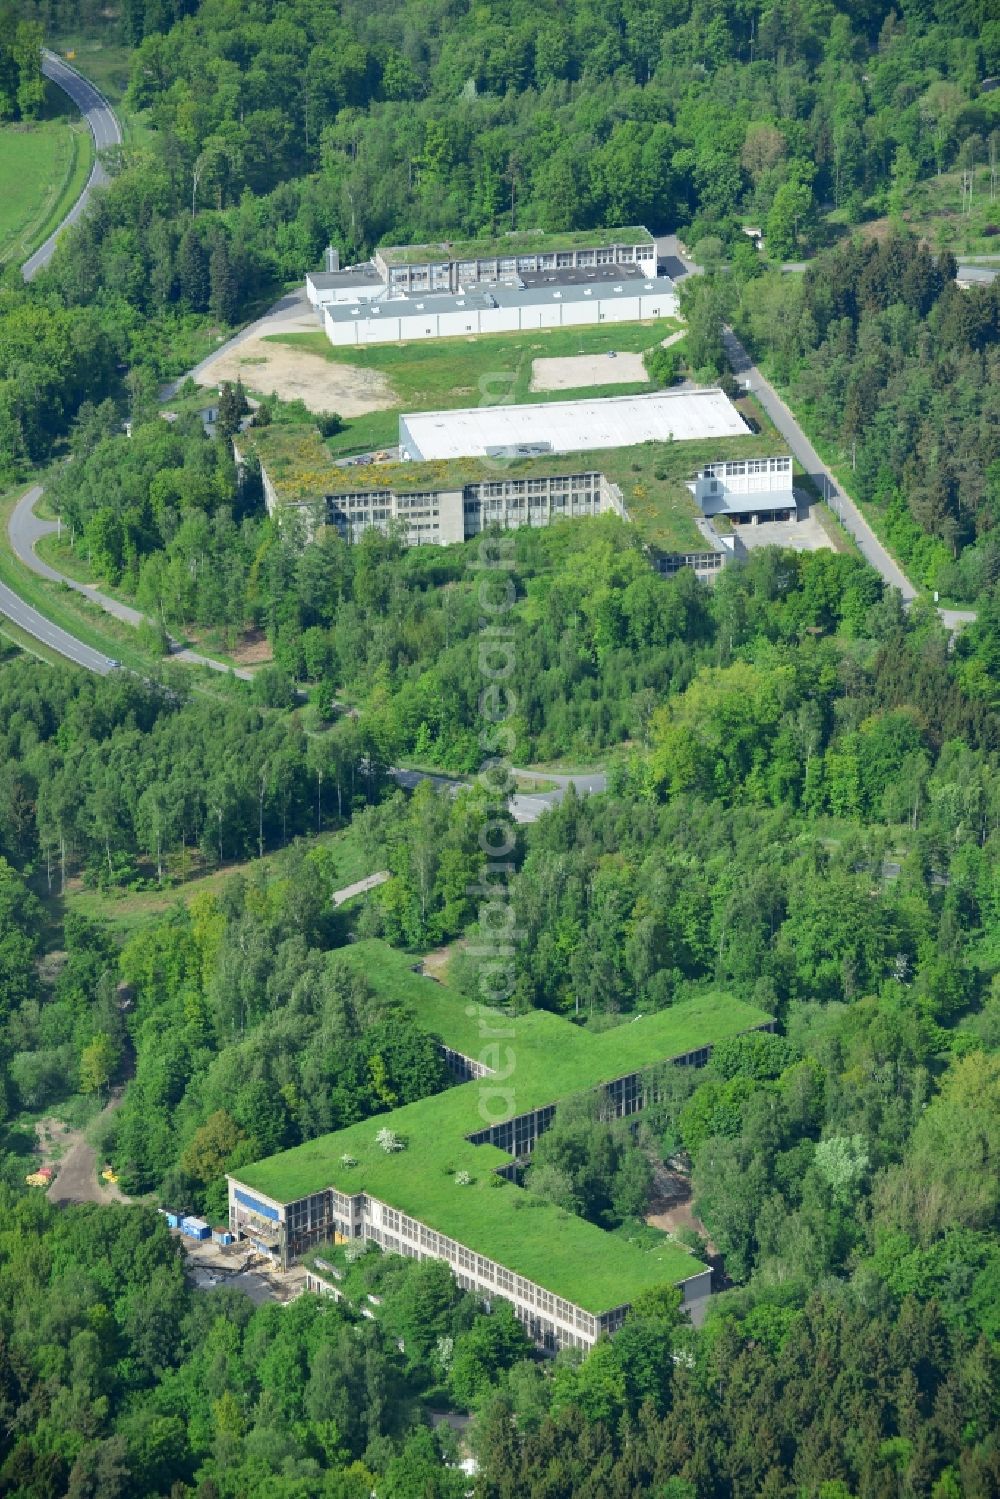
{"points": [[569, 426], [502, 309]]}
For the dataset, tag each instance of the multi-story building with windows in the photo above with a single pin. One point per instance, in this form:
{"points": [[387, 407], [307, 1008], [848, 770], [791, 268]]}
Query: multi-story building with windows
{"points": [[456, 264], [747, 491], [449, 514], [511, 466], [438, 1178]]}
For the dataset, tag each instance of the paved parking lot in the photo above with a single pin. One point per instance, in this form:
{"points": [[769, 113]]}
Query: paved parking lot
{"points": [[804, 535]]}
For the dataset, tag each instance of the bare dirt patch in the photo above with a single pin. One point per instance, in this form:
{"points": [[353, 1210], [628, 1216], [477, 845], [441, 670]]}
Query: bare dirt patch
{"points": [[75, 1160], [877, 228], [251, 649], [209, 1265], [577, 371], [54, 1137], [670, 1206], [296, 374], [435, 964]]}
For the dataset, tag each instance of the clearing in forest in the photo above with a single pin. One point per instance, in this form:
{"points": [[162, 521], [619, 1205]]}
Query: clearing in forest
{"points": [[937, 211]]}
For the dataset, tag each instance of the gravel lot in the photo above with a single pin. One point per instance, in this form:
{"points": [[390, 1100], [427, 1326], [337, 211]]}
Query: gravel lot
{"points": [[296, 374], [580, 370]]}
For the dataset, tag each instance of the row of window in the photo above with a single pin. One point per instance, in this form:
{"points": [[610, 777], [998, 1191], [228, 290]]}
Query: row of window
{"points": [[515, 1286], [695, 1058], [627, 1095], [508, 264], [320, 1287], [309, 1212], [462, 1066], [534, 515], [547, 1334], [519, 505], [517, 1136], [498, 489], [736, 467], [699, 561]]}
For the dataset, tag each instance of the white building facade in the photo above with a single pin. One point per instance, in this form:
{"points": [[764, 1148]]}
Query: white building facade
{"points": [[411, 318], [747, 490]]}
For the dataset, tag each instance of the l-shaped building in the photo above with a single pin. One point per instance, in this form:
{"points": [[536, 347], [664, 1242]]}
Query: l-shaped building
{"points": [[437, 1179]]}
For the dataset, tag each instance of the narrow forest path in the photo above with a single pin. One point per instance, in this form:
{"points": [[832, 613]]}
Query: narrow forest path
{"points": [[360, 887], [76, 1179]]}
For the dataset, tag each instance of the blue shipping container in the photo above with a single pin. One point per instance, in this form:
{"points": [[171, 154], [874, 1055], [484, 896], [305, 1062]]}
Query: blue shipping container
{"points": [[173, 1220], [195, 1228]]}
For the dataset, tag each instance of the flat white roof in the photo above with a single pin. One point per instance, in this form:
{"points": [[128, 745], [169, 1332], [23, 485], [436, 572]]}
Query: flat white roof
{"points": [[539, 292], [573, 426]]}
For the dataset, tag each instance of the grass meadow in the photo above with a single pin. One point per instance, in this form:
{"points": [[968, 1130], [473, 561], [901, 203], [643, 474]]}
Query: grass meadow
{"points": [[44, 166]]}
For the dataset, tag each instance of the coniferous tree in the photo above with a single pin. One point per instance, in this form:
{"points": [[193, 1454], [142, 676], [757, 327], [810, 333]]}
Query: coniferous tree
{"points": [[30, 79], [227, 422], [193, 270], [224, 289]]}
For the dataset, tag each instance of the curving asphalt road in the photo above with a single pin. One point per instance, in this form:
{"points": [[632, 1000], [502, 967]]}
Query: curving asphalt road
{"points": [[105, 129], [42, 629], [25, 530], [843, 507], [29, 528]]}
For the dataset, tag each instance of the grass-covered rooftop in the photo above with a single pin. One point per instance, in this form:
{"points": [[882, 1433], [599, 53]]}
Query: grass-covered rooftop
{"points": [[519, 242], [653, 477], [546, 1059], [296, 458]]}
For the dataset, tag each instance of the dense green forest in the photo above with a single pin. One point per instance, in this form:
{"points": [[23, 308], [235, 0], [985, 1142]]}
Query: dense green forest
{"points": [[898, 369], [99, 776], [119, 1380], [22, 88], [123, 1381], [807, 815]]}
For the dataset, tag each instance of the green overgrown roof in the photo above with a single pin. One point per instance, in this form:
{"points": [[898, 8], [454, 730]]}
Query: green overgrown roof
{"points": [[297, 459], [547, 1059], [652, 476], [521, 242]]}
